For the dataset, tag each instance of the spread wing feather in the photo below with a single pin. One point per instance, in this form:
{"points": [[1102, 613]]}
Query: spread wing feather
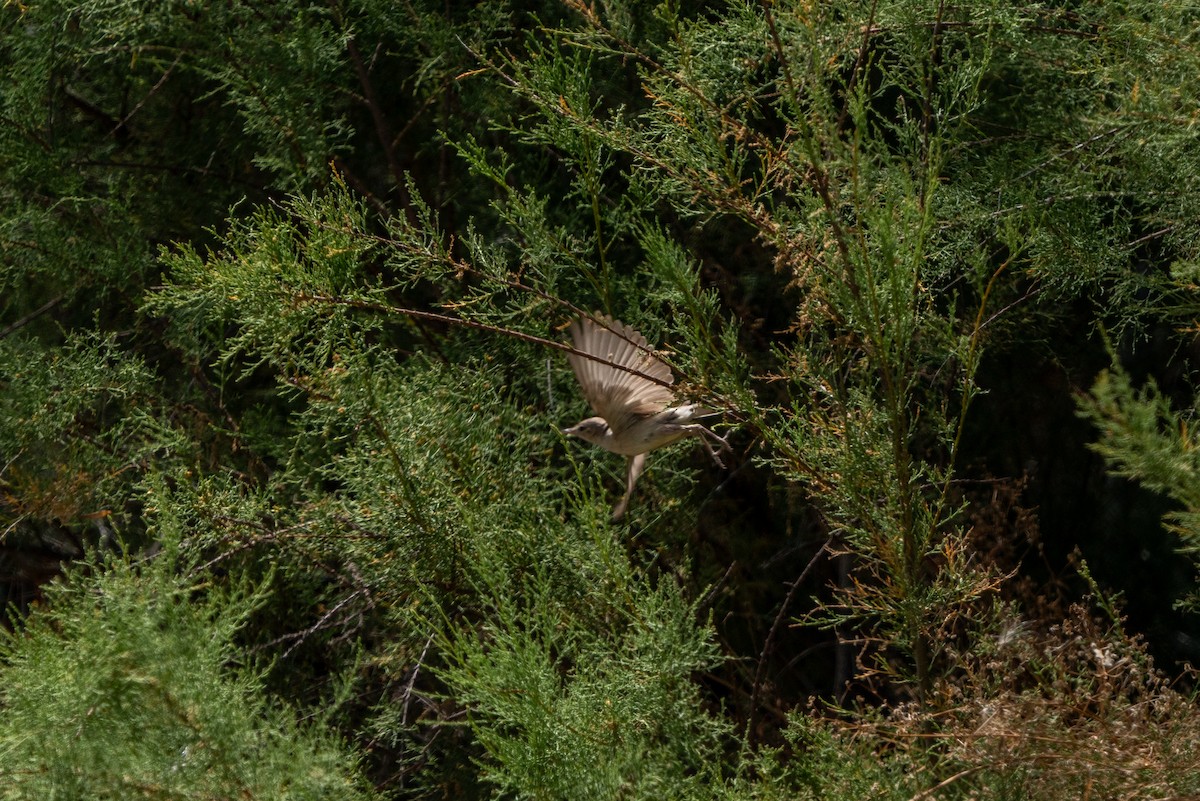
{"points": [[619, 396]]}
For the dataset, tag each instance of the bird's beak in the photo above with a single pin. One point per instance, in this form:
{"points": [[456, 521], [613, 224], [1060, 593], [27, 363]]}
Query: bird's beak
{"points": [[570, 432]]}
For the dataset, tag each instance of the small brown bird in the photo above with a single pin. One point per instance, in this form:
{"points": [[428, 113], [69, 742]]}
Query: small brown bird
{"points": [[635, 412]]}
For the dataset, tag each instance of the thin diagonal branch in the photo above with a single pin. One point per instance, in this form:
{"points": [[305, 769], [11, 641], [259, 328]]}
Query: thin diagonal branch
{"points": [[495, 329]]}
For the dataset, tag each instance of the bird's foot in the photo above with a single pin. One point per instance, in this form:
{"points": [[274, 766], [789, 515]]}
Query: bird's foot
{"points": [[707, 436]]}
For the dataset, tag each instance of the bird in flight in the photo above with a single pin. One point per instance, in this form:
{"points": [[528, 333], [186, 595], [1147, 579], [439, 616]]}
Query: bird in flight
{"points": [[628, 387]]}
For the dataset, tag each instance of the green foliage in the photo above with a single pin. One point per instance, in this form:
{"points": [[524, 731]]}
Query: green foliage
{"points": [[1143, 438], [282, 291], [283, 285], [833, 765], [588, 697], [77, 423], [125, 684]]}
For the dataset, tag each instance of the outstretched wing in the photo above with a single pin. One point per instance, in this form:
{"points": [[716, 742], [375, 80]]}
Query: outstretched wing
{"points": [[619, 396]]}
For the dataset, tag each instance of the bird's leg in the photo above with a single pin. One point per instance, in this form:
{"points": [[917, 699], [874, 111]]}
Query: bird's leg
{"points": [[704, 435], [636, 465]]}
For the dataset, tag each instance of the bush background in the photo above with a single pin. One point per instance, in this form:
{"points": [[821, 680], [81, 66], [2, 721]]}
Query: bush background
{"points": [[285, 510]]}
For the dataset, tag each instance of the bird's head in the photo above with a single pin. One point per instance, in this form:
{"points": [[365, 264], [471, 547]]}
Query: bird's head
{"points": [[592, 430]]}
